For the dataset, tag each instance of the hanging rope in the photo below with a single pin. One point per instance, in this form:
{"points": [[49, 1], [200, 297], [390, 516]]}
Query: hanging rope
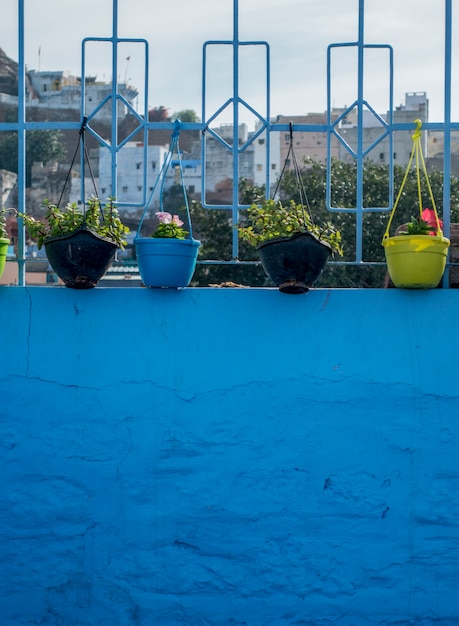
{"points": [[81, 143], [161, 180], [299, 180], [418, 157]]}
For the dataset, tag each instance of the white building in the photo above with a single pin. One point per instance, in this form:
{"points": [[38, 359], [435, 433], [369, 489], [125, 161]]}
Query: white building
{"points": [[8, 182], [131, 186], [416, 107], [219, 162], [260, 162], [61, 90]]}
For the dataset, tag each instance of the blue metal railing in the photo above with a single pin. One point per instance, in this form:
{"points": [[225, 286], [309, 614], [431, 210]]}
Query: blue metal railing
{"points": [[360, 153], [235, 101], [114, 145], [265, 126]]}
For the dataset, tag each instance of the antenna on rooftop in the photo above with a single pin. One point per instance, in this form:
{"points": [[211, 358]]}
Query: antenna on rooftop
{"points": [[127, 67]]}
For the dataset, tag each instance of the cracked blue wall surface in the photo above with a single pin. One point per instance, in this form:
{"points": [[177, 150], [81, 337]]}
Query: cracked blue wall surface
{"points": [[219, 456]]}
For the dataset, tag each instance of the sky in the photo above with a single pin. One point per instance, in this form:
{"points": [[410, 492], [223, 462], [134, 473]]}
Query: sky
{"points": [[298, 33]]}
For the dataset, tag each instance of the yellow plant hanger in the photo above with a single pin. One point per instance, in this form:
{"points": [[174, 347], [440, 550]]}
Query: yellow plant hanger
{"points": [[416, 153]]}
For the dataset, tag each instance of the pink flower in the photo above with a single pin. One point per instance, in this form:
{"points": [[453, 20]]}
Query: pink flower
{"points": [[164, 218], [176, 220], [428, 215]]}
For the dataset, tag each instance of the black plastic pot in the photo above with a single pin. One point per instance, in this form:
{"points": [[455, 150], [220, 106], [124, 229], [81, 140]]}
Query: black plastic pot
{"points": [[80, 258], [294, 263]]}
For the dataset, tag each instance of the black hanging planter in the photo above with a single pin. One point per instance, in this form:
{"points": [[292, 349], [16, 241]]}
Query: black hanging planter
{"points": [[294, 263], [80, 258]]}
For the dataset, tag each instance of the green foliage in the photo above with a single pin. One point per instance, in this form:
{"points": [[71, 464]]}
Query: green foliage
{"points": [[269, 219], [250, 194], [170, 231], [185, 115], [101, 219], [41, 145], [3, 231], [213, 227], [371, 272], [170, 226], [417, 226]]}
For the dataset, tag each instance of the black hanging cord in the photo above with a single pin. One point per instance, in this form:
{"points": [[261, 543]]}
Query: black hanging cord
{"points": [[299, 181], [86, 155]]}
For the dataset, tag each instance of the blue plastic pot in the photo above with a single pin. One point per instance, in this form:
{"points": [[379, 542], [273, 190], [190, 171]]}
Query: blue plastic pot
{"points": [[166, 262]]}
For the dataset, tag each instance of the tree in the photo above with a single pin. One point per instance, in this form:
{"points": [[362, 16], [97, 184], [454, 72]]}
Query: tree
{"points": [[158, 114], [376, 194], [186, 115], [214, 229], [41, 146]]}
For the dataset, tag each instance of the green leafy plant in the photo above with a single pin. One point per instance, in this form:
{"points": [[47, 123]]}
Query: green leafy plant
{"points": [[170, 227], [417, 226], [268, 219], [425, 224], [103, 219], [3, 231]]}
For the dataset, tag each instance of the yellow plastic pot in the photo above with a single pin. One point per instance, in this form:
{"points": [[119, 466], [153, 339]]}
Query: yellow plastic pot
{"points": [[4, 243], [416, 261]]}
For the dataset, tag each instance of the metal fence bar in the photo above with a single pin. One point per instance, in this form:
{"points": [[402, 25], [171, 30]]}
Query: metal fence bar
{"points": [[360, 153], [21, 122], [114, 146], [235, 101], [447, 131]]}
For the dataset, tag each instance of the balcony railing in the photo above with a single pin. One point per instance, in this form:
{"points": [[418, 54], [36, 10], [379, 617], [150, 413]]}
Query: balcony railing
{"points": [[236, 106]]}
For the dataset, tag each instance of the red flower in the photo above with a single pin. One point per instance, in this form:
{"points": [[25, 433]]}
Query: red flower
{"points": [[428, 215]]}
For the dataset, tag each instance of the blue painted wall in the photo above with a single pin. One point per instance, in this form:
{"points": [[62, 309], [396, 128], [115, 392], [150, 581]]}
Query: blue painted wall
{"points": [[229, 457]]}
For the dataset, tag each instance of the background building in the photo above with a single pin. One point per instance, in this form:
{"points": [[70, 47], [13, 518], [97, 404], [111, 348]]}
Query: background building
{"points": [[416, 107]]}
